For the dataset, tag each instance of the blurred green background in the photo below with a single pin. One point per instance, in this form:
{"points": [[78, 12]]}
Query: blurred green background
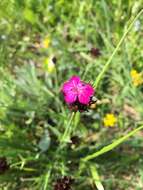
{"points": [[42, 44]]}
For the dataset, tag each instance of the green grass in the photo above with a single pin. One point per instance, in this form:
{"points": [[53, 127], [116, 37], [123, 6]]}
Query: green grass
{"points": [[35, 123]]}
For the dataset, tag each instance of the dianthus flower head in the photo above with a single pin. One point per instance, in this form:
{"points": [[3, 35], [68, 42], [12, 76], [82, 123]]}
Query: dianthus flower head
{"points": [[75, 90], [64, 183], [3, 165], [95, 52]]}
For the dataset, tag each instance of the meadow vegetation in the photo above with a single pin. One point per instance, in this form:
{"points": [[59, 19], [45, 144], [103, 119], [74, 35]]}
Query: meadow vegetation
{"points": [[43, 144]]}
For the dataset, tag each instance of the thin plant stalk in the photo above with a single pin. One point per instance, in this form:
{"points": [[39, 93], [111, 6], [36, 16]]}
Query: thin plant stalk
{"points": [[112, 145], [106, 66], [68, 128]]}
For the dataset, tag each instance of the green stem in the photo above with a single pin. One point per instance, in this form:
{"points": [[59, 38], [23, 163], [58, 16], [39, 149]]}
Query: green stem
{"points": [[68, 128], [112, 145], [56, 80], [47, 177], [106, 66], [95, 176]]}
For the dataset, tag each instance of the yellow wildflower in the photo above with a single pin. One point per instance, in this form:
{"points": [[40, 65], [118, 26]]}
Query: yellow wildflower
{"points": [[49, 65], [137, 77], [109, 120], [46, 42]]}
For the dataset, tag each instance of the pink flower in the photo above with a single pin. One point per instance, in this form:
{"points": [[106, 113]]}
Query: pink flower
{"points": [[77, 90]]}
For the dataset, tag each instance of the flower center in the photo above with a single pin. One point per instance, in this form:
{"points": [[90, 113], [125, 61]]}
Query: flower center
{"points": [[78, 88], [75, 89]]}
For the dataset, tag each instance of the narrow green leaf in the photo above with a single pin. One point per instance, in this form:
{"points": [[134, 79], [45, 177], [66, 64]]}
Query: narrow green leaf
{"points": [[106, 66], [95, 177], [112, 145], [46, 181]]}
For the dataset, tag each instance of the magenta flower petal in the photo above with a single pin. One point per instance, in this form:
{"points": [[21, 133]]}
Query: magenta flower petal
{"points": [[70, 98], [67, 87], [89, 90], [75, 80], [86, 92], [83, 98]]}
